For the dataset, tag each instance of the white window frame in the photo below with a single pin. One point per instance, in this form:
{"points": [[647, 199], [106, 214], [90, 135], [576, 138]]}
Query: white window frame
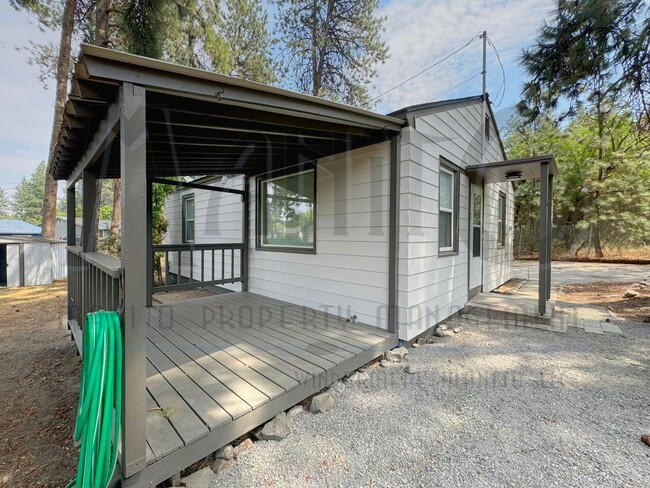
{"points": [[452, 249], [186, 220], [501, 219]]}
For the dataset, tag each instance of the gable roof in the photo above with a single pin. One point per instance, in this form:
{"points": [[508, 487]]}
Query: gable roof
{"points": [[18, 228], [407, 113]]}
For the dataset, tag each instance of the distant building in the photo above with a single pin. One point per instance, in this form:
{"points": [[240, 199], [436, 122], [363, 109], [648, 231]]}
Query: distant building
{"points": [[18, 228]]}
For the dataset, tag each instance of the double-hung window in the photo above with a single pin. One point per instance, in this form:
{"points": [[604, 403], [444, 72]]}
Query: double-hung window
{"points": [[188, 218], [448, 211], [286, 212], [501, 220]]}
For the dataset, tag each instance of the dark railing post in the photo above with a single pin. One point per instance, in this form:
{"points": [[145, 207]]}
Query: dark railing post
{"points": [[543, 238], [244, 237]]}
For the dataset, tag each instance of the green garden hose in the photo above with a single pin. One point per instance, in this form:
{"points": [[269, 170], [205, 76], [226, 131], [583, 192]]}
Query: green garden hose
{"points": [[100, 400]]}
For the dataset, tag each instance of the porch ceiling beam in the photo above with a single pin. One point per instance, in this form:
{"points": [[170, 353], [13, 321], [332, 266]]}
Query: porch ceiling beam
{"points": [[159, 76], [177, 138], [106, 132], [198, 186]]}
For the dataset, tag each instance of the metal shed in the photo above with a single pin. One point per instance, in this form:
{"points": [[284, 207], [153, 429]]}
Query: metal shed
{"points": [[27, 261]]}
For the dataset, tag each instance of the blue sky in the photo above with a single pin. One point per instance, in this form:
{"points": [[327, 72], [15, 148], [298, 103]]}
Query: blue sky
{"points": [[418, 32]]}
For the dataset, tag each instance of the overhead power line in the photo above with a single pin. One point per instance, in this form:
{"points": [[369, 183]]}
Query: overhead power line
{"points": [[503, 76], [428, 68], [458, 85]]}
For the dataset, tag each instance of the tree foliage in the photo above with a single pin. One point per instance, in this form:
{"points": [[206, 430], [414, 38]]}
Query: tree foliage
{"points": [[591, 51], [5, 205], [609, 191], [28, 197], [331, 48]]}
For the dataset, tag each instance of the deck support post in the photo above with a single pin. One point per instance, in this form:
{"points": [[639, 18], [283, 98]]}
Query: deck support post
{"points": [[71, 215], [549, 247], [149, 231], [245, 236], [133, 171], [544, 244], [88, 211], [393, 236]]}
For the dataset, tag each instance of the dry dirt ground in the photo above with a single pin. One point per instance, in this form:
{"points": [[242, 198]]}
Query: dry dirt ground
{"points": [[39, 384], [611, 296]]}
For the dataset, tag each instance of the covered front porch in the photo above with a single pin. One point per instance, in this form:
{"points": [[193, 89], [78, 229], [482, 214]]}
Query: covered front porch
{"points": [[200, 373]]}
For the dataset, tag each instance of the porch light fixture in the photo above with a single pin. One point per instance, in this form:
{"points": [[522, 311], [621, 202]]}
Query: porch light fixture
{"points": [[514, 176]]}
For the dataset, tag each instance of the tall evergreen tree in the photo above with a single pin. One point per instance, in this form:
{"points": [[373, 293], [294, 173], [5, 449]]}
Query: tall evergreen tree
{"points": [[28, 197], [577, 60], [243, 28], [331, 48], [5, 206]]}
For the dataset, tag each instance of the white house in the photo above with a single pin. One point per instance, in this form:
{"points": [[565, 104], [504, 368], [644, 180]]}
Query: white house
{"points": [[322, 235]]}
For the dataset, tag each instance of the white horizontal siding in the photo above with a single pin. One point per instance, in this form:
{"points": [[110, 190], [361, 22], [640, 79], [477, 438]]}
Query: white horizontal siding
{"points": [[348, 275], [433, 287]]}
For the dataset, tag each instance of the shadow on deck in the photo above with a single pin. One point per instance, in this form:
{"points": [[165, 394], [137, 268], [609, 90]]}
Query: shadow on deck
{"points": [[219, 366]]}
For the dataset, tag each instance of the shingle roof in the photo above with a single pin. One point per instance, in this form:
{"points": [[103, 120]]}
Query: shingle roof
{"points": [[18, 228]]}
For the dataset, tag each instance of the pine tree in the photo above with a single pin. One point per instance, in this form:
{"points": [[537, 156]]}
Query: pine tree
{"points": [[332, 47], [244, 32], [28, 197], [5, 210]]}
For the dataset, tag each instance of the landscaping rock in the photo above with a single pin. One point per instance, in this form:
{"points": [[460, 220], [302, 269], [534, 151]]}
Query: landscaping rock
{"points": [[275, 430], [431, 339], [631, 294], [397, 355], [457, 330], [359, 377], [440, 332], [201, 479], [295, 411], [410, 369], [321, 403], [221, 466], [226, 452], [415, 345], [337, 388], [421, 341], [245, 445], [385, 363], [442, 326]]}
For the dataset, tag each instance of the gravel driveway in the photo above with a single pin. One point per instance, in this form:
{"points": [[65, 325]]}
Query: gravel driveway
{"points": [[491, 406]]}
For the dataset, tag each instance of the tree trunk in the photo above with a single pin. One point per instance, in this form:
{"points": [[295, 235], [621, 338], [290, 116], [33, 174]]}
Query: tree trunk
{"points": [[62, 72], [598, 248], [117, 208]]}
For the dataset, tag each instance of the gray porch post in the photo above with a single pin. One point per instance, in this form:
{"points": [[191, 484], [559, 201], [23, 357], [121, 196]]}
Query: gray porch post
{"points": [[88, 224], [550, 236], [71, 208], [543, 238], [393, 244], [245, 235], [133, 171], [149, 229]]}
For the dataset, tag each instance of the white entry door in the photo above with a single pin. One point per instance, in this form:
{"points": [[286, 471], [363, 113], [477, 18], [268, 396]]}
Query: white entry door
{"points": [[476, 239]]}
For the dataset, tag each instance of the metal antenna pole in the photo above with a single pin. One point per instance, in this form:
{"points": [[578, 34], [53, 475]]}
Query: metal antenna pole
{"points": [[484, 96]]}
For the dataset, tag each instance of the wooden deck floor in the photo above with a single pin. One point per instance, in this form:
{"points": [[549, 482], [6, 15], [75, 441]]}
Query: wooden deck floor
{"points": [[219, 366]]}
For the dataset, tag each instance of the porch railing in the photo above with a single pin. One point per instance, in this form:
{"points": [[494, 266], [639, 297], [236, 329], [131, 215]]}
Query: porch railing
{"points": [[184, 266], [93, 283]]}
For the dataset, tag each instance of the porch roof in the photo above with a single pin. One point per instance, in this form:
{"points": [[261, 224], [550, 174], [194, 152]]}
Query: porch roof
{"points": [[512, 170], [199, 122]]}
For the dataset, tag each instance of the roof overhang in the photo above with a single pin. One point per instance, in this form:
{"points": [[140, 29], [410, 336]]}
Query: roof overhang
{"points": [[512, 170], [208, 111]]}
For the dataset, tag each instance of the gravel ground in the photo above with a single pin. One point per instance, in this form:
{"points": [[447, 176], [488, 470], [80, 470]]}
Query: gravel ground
{"points": [[491, 406]]}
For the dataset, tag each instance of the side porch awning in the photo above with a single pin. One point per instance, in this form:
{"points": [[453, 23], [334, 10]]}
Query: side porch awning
{"points": [[541, 168]]}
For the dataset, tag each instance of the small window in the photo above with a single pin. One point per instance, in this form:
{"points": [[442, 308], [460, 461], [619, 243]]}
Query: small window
{"points": [[286, 208], [448, 210], [188, 218], [501, 220]]}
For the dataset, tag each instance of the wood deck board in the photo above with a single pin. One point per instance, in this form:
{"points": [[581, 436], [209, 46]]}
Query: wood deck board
{"points": [[226, 397], [279, 342], [293, 366], [199, 401], [330, 335], [186, 423], [213, 374], [320, 341], [218, 361], [160, 433]]}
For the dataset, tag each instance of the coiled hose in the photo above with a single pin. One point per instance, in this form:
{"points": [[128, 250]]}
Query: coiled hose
{"points": [[100, 400]]}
